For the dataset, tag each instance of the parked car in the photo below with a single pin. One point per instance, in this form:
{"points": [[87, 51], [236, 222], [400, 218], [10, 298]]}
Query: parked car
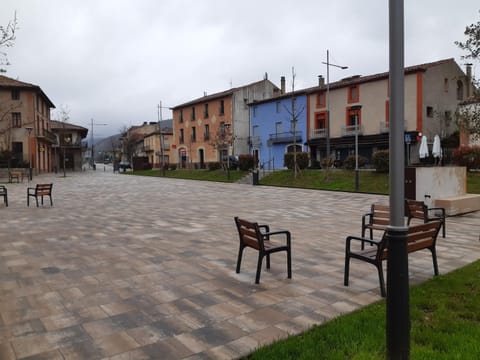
{"points": [[124, 165], [232, 161]]}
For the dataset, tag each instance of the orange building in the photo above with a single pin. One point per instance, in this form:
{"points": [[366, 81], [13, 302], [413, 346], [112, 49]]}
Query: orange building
{"points": [[209, 128], [25, 124]]}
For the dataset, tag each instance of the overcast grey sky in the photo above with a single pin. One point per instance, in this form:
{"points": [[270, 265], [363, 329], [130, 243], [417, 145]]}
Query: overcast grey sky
{"points": [[113, 61]]}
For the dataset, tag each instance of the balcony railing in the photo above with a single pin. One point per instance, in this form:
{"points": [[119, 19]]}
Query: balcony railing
{"points": [[69, 144], [47, 136], [349, 130], [256, 141], [285, 137], [147, 148], [318, 133]]}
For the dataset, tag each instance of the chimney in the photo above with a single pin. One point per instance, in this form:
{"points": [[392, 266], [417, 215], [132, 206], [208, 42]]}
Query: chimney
{"points": [[469, 80], [321, 80], [282, 85]]}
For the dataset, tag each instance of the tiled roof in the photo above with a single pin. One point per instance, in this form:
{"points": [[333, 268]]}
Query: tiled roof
{"points": [[363, 79], [55, 124], [12, 83], [216, 95]]}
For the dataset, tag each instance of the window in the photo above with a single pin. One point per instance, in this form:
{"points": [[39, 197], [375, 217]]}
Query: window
{"points": [[222, 107], [429, 111], [351, 115], [206, 134], [15, 94], [459, 90], [278, 127], [321, 99], [193, 112], [255, 131], [181, 136], [205, 112], [181, 115], [321, 120], [445, 84], [16, 119], [194, 134], [353, 94], [278, 107]]}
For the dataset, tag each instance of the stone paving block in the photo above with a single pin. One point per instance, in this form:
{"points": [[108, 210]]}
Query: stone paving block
{"points": [[131, 275]]}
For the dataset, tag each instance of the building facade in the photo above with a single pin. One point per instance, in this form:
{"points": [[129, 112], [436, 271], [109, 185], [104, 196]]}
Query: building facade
{"points": [[278, 126], [69, 149], [25, 130], [432, 94], [210, 128]]}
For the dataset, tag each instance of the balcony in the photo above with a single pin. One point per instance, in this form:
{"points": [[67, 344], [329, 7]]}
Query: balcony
{"points": [[350, 130], [318, 133], [285, 137], [147, 148], [46, 136], [69, 144]]}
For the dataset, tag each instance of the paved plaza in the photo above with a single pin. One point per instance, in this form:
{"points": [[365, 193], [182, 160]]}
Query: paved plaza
{"points": [[129, 267]]}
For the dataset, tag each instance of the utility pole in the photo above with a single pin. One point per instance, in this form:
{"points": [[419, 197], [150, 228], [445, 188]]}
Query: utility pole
{"points": [[93, 146], [160, 133]]}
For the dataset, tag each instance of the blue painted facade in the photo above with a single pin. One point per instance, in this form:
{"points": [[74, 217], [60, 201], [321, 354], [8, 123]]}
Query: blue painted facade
{"points": [[271, 133]]}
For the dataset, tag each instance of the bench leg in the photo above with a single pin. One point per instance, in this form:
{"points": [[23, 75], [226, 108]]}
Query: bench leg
{"points": [[36, 199], [289, 263], [443, 228], [434, 258], [239, 259], [259, 267], [268, 261], [346, 272], [51, 201], [382, 281]]}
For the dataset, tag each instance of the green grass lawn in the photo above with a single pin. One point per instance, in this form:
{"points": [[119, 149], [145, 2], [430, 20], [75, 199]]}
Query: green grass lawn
{"points": [[344, 180], [445, 324], [206, 175]]}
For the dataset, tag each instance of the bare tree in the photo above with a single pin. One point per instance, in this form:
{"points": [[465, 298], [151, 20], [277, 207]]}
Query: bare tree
{"points": [[7, 39], [294, 114], [467, 119], [63, 117]]}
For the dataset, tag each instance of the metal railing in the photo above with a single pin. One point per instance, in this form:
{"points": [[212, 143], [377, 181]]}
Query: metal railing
{"points": [[348, 130], [285, 137], [318, 133]]}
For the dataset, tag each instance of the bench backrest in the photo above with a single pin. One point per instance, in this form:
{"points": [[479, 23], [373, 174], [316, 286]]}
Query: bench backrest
{"points": [[249, 234], [416, 209], [380, 215], [419, 237], [43, 189]]}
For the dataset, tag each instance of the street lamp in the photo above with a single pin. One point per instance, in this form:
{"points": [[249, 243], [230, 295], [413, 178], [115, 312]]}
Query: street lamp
{"points": [[328, 63], [29, 129], [355, 109], [162, 159], [93, 146]]}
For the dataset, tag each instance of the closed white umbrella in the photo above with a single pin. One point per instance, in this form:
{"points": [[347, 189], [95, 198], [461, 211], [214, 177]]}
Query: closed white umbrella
{"points": [[437, 149], [423, 148]]}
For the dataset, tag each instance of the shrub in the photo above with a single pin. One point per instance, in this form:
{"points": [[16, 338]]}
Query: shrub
{"points": [[214, 165], [315, 164], [349, 162], [381, 160], [326, 162], [302, 160], [245, 162], [468, 156]]}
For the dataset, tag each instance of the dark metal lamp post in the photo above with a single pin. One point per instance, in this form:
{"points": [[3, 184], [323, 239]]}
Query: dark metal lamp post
{"points": [[356, 109], [29, 129]]}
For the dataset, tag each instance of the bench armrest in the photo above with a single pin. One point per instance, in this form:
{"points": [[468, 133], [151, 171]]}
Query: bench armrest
{"points": [[358, 238], [364, 218], [267, 235], [266, 227], [442, 210]]}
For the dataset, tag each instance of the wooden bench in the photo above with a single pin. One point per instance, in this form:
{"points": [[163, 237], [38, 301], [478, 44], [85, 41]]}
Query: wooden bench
{"points": [[40, 190], [15, 175], [258, 237], [419, 210], [4, 193], [377, 219], [419, 237]]}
